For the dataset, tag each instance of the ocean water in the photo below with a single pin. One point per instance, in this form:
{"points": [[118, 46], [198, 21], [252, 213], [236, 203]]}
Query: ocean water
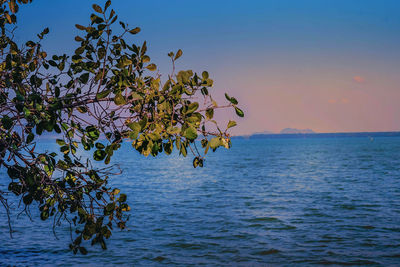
{"points": [[266, 202]]}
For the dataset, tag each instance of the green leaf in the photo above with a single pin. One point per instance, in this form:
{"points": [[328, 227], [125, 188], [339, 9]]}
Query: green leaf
{"points": [[135, 30], [84, 77], [192, 107], [234, 101], [151, 67], [173, 130], [30, 137], [190, 133], [227, 97], [7, 122], [239, 112], [60, 142], [103, 94], [205, 75], [135, 127], [99, 155], [136, 96], [214, 142], [82, 109], [195, 162], [231, 124], [210, 113], [92, 133], [119, 99], [99, 146]]}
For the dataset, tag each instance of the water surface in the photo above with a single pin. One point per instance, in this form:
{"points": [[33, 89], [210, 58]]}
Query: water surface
{"points": [[264, 202]]}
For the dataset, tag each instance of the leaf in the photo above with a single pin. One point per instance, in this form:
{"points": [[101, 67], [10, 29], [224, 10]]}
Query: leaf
{"points": [[192, 107], [82, 109], [195, 162], [146, 59], [103, 94], [7, 122], [173, 130], [136, 96], [79, 39], [135, 127], [239, 112], [227, 97], [234, 101], [231, 124], [119, 99], [190, 133], [108, 3], [60, 142], [116, 191], [214, 142], [151, 67], [80, 27], [210, 113], [84, 78], [135, 30], [92, 133], [97, 8], [205, 75], [30, 137], [99, 155], [99, 146], [178, 54]]}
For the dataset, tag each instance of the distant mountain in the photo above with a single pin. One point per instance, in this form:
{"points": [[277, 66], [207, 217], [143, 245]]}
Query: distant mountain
{"points": [[296, 131], [369, 135]]}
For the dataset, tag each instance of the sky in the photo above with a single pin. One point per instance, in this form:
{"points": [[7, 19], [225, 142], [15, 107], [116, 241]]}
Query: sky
{"points": [[326, 65]]}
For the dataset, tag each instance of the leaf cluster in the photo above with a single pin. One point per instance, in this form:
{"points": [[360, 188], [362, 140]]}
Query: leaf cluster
{"points": [[107, 92]]}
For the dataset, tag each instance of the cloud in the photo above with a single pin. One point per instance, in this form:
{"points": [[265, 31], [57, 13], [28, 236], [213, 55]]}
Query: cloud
{"points": [[358, 79], [343, 100]]}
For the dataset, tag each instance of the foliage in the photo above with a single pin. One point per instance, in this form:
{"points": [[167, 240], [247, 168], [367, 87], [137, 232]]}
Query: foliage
{"points": [[108, 91]]}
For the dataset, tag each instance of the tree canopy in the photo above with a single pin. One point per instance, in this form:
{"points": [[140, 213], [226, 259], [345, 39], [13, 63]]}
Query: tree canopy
{"points": [[107, 92]]}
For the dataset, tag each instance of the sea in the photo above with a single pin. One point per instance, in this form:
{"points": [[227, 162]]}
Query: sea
{"points": [[264, 202]]}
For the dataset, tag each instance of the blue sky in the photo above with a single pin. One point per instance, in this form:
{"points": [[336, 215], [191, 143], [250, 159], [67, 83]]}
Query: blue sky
{"points": [[290, 63]]}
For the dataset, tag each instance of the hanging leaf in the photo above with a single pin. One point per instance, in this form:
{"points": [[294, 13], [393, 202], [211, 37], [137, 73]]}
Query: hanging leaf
{"points": [[190, 133], [231, 124], [239, 112], [214, 142], [119, 99]]}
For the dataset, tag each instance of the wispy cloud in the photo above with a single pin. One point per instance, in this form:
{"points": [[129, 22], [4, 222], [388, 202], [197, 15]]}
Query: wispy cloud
{"points": [[358, 79]]}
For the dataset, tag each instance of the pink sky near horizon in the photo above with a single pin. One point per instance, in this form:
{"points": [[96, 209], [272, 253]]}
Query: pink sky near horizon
{"points": [[330, 66]]}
